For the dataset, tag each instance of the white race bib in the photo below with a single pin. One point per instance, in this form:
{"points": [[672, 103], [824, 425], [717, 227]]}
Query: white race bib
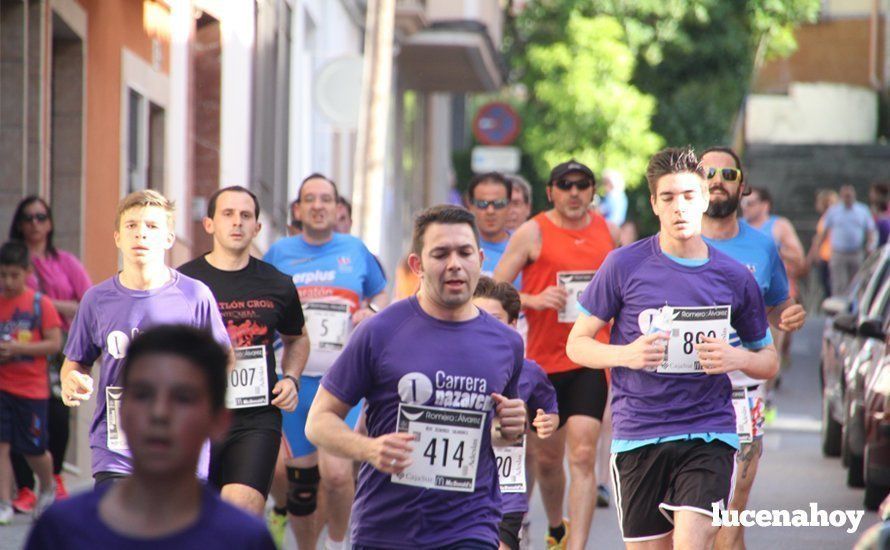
{"points": [[248, 383], [688, 326], [574, 282], [510, 461], [328, 324], [744, 424], [447, 444], [116, 438]]}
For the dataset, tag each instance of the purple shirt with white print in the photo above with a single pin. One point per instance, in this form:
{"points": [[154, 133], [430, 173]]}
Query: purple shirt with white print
{"points": [[403, 355], [109, 316], [630, 287]]}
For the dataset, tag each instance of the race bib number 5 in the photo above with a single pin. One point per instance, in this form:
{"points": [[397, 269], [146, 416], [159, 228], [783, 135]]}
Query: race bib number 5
{"points": [[446, 447], [688, 327], [574, 282], [328, 325], [248, 385]]}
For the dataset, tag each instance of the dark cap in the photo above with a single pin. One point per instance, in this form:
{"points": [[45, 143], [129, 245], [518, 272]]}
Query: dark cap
{"points": [[561, 170]]}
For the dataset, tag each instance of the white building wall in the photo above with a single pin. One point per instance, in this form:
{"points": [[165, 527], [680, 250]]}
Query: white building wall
{"points": [[813, 113]]}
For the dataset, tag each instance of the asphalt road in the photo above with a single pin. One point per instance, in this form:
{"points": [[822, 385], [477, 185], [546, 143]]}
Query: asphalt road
{"points": [[792, 474]]}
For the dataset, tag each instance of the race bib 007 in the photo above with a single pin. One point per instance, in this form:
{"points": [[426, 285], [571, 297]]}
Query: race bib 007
{"points": [[248, 384], [574, 282], [688, 327], [447, 443]]}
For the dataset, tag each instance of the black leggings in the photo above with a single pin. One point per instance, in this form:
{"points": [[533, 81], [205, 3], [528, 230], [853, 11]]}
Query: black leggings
{"points": [[57, 420]]}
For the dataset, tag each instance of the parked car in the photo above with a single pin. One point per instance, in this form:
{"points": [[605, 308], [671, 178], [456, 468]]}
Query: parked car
{"points": [[839, 346], [866, 346], [875, 363]]}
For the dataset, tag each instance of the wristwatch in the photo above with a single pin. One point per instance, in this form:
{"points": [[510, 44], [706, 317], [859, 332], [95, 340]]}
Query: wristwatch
{"points": [[293, 379], [373, 307]]}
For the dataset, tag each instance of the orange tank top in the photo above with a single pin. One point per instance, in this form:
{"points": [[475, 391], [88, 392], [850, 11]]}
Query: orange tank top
{"points": [[562, 250]]}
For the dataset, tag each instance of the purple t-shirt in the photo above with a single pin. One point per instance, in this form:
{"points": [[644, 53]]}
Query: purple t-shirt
{"points": [[538, 393], [108, 317], [633, 283], [402, 354], [74, 524]]}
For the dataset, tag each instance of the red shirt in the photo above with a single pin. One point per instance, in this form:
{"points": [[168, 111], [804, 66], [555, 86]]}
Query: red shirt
{"points": [[561, 250], [24, 375]]}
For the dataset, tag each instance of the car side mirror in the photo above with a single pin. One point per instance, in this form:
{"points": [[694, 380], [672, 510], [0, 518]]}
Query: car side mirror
{"points": [[845, 323], [835, 305], [871, 328]]}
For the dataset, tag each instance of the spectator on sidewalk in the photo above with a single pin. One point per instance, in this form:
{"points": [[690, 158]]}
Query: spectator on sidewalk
{"points": [[879, 200], [60, 277], [852, 233], [820, 258]]}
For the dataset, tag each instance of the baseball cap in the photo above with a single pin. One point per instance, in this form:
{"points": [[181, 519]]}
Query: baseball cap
{"points": [[561, 170]]}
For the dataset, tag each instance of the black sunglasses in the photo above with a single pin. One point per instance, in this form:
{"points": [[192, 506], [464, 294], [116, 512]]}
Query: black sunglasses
{"points": [[499, 204], [33, 217], [566, 185]]}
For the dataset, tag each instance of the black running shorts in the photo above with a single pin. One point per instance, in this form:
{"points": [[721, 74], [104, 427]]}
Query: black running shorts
{"points": [[508, 530], [580, 392], [247, 456], [654, 481]]}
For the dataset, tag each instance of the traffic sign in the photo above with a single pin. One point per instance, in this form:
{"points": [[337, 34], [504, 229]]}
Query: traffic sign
{"points": [[496, 123], [495, 159]]}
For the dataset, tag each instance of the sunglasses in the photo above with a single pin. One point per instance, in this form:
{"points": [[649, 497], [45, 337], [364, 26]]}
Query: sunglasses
{"points": [[566, 185], [34, 217], [499, 204], [728, 174]]}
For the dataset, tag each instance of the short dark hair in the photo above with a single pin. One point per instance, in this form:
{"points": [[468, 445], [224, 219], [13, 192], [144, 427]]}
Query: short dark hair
{"points": [[503, 292], [317, 175], [763, 194], [15, 231], [342, 200], [673, 160], [445, 214], [15, 253], [211, 203], [494, 177], [194, 345]]}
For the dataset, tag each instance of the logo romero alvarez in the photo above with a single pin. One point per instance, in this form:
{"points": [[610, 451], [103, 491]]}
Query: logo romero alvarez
{"points": [[814, 517]]}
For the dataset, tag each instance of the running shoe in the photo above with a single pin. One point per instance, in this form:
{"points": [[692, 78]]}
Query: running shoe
{"points": [[603, 497], [44, 501], [277, 524], [6, 513], [61, 492], [24, 501], [553, 544]]}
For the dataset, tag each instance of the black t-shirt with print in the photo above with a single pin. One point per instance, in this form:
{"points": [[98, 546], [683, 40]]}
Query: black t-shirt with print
{"points": [[256, 303]]}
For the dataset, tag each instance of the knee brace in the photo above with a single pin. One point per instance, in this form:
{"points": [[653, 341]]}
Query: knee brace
{"points": [[302, 493]]}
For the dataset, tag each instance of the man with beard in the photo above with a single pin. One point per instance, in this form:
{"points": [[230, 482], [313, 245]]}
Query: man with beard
{"points": [[722, 229], [558, 252]]}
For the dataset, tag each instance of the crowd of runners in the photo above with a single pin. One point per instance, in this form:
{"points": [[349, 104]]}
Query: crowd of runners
{"points": [[527, 345]]}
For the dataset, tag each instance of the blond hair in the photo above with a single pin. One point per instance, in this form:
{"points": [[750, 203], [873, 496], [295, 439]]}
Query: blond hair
{"points": [[143, 199]]}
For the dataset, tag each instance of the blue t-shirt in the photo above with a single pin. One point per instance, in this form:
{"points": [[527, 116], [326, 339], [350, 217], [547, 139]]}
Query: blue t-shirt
{"points": [[849, 226], [332, 279], [74, 524], [493, 253], [630, 287], [403, 355]]}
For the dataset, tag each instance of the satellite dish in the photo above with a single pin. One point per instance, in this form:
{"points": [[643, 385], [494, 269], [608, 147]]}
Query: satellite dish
{"points": [[338, 89]]}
